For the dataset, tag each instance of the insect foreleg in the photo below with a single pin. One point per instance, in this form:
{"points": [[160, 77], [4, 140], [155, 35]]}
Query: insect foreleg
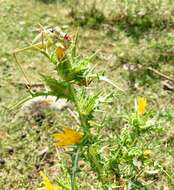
{"points": [[23, 72]]}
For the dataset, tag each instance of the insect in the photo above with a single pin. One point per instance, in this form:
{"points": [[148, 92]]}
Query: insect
{"points": [[48, 37]]}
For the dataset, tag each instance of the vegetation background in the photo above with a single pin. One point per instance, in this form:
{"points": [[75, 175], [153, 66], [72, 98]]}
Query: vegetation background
{"points": [[135, 39]]}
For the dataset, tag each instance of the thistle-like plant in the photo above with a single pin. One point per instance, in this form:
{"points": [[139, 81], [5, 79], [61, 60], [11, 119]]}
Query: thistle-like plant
{"points": [[129, 155], [74, 75]]}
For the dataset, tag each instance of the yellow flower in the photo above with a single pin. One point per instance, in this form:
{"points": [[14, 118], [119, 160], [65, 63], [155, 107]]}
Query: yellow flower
{"points": [[141, 105], [67, 137], [147, 153], [60, 52], [47, 184]]}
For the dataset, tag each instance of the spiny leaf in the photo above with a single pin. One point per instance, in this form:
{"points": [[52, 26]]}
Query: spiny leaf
{"points": [[74, 46], [93, 156], [61, 89], [85, 61], [53, 58], [63, 69], [87, 104], [75, 70]]}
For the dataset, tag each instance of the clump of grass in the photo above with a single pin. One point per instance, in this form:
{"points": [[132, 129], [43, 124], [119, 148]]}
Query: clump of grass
{"points": [[91, 18], [87, 14], [138, 17], [134, 17], [154, 51], [48, 1]]}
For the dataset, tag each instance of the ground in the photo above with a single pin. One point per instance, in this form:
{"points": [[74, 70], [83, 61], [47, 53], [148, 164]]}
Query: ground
{"points": [[131, 39]]}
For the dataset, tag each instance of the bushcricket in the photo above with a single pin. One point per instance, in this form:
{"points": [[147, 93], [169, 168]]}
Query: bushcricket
{"points": [[48, 37]]}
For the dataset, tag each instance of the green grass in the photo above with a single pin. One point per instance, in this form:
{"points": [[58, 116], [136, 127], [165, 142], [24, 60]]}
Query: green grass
{"points": [[124, 37]]}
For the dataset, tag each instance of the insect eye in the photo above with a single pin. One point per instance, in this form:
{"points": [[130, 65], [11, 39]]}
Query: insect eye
{"points": [[51, 29]]}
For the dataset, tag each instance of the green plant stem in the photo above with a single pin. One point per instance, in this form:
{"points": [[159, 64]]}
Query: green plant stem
{"points": [[85, 127], [74, 168], [83, 123], [86, 130]]}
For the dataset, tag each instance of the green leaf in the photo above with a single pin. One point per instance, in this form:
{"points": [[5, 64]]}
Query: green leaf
{"points": [[74, 68], [63, 69], [74, 46], [60, 89], [53, 58], [94, 158], [87, 104]]}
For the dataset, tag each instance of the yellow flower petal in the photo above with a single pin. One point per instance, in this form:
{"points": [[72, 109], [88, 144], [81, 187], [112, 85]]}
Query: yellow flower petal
{"points": [[141, 105], [47, 184], [60, 52], [67, 137], [147, 153]]}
